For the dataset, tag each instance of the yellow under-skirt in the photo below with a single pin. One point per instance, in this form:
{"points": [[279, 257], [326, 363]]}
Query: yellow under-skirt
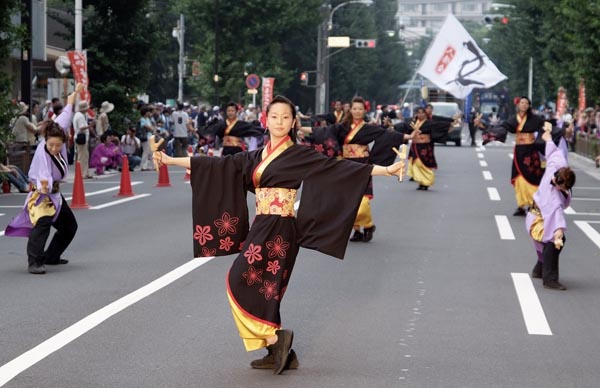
{"points": [[420, 173], [524, 192], [363, 217], [254, 333]]}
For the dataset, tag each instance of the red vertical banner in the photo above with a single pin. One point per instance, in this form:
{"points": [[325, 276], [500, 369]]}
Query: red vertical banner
{"points": [[581, 96], [79, 68], [267, 96], [561, 102]]}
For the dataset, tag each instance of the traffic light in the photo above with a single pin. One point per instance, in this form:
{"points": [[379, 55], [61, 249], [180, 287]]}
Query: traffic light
{"points": [[491, 19], [365, 43], [304, 78]]}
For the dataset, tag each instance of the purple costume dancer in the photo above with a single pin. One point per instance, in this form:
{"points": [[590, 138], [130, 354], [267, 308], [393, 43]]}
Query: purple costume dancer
{"points": [[106, 154], [546, 221], [45, 206]]}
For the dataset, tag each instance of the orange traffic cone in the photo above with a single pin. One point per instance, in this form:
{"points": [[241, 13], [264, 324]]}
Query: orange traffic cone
{"points": [[163, 177], [125, 189], [78, 201], [190, 151]]}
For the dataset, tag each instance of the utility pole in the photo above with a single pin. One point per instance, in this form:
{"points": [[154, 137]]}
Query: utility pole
{"points": [[26, 64], [180, 38], [78, 25], [216, 67]]}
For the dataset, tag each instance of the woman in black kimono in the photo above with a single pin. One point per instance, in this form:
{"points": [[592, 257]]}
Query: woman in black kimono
{"points": [[232, 131], [354, 135], [258, 278], [421, 157], [527, 166]]}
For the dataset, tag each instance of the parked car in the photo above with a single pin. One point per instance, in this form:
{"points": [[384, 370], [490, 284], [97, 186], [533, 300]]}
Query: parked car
{"points": [[449, 109]]}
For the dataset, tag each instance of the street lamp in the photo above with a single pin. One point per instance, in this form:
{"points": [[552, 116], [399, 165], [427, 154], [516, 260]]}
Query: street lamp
{"points": [[179, 33], [322, 84]]}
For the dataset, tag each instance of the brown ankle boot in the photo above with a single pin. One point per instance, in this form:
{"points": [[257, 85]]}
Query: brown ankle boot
{"points": [[281, 350], [268, 361]]}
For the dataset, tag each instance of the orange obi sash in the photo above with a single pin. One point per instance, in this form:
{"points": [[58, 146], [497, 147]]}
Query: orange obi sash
{"points": [[350, 151], [275, 201], [232, 141], [525, 138], [422, 138]]}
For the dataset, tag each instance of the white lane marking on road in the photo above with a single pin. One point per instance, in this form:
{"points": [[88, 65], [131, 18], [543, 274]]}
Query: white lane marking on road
{"points": [[587, 188], [584, 214], [1, 233], [483, 163], [12, 368], [119, 201], [480, 148], [532, 310], [589, 230], [107, 190], [504, 228], [480, 155], [511, 156], [585, 199], [570, 210], [11, 207], [487, 175], [2, 214], [493, 193]]}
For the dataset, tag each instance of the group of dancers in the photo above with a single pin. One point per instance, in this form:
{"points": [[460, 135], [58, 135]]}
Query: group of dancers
{"points": [[336, 194]]}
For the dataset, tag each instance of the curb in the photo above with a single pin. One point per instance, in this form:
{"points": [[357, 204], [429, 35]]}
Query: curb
{"points": [[585, 164]]}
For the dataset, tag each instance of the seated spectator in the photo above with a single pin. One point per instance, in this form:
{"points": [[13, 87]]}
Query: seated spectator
{"points": [[106, 155], [15, 176], [131, 146]]}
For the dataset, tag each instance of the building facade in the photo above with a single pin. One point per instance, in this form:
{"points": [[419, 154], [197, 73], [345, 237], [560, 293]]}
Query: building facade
{"points": [[424, 18]]}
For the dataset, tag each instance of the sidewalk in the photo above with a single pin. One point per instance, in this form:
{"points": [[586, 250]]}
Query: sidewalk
{"points": [[587, 165]]}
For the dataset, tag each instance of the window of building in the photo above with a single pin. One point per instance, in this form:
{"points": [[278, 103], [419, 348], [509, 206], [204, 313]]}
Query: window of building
{"points": [[469, 7], [440, 7], [409, 8]]}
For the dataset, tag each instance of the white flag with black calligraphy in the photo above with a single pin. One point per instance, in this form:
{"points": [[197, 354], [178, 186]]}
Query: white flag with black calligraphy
{"points": [[456, 64]]}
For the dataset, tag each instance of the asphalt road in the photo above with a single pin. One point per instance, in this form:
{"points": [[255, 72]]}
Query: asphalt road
{"points": [[440, 298]]}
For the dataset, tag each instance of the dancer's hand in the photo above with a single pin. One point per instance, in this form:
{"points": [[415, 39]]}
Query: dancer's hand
{"points": [[396, 169]]}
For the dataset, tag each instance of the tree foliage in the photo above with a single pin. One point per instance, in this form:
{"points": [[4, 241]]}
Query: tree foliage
{"points": [[266, 37], [372, 73], [10, 37], [120, 44], [560, 36]]}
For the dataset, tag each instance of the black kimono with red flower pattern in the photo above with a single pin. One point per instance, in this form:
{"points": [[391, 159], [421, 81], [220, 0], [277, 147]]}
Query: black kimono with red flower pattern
{"points": [[331, 194], [436, 129], [381, 152], [240, 129], [526, 157]]}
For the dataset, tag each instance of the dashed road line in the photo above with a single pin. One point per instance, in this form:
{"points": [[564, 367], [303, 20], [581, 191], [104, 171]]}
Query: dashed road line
{"points": [[533, 313], [493, 194], [511, 156], [506, 232], [483, 163], [480, 155], [487, 175]]}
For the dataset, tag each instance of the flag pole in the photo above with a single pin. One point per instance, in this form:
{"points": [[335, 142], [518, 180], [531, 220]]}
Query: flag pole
{"points": [[420, 63]]}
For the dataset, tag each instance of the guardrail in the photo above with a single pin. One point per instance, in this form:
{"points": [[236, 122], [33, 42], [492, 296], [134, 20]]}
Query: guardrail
{"points": [[588, 146]]}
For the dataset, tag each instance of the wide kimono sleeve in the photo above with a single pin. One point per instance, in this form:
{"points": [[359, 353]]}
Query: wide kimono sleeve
{"points": [[219, 208], [331, 194], [382, 152]]}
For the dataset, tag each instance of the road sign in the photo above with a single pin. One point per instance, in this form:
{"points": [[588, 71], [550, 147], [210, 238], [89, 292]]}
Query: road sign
{"points": [[253, 81]]}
